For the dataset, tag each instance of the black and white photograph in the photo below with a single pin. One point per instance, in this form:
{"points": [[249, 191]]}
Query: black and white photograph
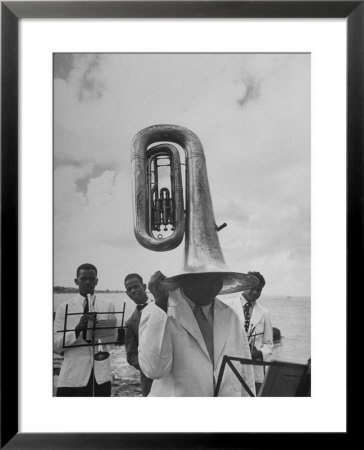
{"points": [[181, 212], [181, 224]]}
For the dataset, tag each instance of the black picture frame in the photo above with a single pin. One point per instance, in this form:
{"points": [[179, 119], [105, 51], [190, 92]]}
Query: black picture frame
{"points": [[11, 13]]}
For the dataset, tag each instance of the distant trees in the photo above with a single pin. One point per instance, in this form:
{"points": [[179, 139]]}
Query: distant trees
{"points": [[64, 290], [72, 290]]}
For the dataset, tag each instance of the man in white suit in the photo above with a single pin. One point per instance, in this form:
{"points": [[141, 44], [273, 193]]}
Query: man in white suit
{"points": [[184, 335], [257, 326], [80, 375]]}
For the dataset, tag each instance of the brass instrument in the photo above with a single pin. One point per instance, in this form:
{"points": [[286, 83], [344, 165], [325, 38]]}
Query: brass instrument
{"points": [[101, 353], [156, 207]]}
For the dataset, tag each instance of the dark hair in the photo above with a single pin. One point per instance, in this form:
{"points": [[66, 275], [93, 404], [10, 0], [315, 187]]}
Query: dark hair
{"points": [[260, 278], [133, 275], [86, 266]]}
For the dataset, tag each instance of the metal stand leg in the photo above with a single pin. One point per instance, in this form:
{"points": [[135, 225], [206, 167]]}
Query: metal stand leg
{"points": [[93, 367]]}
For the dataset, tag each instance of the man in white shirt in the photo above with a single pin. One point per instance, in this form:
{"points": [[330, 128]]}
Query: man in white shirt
{"points": [[258, 327], [136, 290], [184, 335], [81, 375]]}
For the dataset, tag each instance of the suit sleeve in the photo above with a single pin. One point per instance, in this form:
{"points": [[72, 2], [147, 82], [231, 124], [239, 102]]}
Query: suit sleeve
{"points": [[70, 336], [155, 342], [131, 346], [267, 342]]}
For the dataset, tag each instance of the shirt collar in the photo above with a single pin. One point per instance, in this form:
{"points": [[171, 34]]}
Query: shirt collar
{"points": [[145, 303], [244, 301], [82, 299], [206, 309]]}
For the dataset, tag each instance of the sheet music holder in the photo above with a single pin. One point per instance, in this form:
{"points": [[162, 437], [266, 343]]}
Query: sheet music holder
{"points": [[102, 329], [282, 379], [99, 332]]}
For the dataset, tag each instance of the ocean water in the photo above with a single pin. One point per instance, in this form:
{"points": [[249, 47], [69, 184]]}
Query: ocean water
{"points": [[291, 315]]}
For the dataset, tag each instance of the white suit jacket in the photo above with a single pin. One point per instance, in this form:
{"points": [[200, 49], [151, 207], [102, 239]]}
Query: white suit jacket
{"points": [[77, 364], [172, 351], [260, 330]]}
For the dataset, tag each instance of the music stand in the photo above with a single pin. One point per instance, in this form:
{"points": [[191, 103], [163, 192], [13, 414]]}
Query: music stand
{"points": [[282, 379], [101, 330]]}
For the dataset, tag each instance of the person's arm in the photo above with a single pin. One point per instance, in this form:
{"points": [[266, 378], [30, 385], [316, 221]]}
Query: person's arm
{"points": [[131, 346], [155, 342]]}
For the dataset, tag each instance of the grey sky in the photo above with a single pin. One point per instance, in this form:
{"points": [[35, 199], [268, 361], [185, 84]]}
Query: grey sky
{"points": [[252, 115]]}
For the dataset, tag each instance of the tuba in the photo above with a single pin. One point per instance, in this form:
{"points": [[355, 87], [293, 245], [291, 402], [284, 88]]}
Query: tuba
{"points": [[160, 218]]}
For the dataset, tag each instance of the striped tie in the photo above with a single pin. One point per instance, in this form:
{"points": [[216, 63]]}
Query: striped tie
{"points": [[246, 316]]}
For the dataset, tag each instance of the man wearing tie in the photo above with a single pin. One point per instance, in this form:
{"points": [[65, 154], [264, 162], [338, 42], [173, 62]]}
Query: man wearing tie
{"points": [[136, 290], [184, 335], [258, 327], [81, 375]]}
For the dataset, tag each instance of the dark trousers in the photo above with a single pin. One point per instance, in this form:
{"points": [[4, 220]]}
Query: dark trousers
{"points": [[100, 390], [146, 384]]}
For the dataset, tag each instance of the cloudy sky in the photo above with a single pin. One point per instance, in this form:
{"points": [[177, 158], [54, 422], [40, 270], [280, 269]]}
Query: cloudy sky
{"points": [[252, 115]]}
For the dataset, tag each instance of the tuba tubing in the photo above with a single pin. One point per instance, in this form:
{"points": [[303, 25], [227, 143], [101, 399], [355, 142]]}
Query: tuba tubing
{"points": [[141, 167], [202, 246]]}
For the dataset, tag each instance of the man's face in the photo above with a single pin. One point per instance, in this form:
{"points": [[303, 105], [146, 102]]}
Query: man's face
{"points": [[202, 288], [86, 281], [252, 295], [136, 290]]}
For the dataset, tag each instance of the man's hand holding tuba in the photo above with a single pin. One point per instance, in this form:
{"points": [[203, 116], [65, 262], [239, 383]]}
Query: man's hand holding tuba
{"points": [[159, 290]]}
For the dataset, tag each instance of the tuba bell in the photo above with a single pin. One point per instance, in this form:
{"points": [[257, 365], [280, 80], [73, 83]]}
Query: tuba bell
{"points": [[160, 218]]}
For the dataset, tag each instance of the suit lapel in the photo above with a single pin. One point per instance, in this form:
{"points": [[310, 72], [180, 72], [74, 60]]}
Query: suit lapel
{"points": [[221, 325], [182, 312], [75, 306], [98, 304], [256, 316]]}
